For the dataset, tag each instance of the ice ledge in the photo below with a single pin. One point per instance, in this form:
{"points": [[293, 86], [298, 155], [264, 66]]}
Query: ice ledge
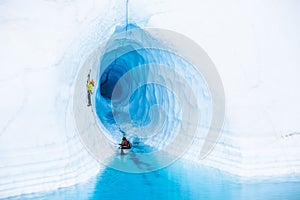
{"points": [[45, 168], [266, 157]]}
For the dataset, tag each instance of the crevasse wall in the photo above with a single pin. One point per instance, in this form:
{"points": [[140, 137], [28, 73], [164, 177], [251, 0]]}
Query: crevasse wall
{"points": [[237, 153], [39, 146], [253, 44]]}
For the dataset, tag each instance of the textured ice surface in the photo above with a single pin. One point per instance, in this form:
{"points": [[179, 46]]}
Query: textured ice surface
{"points": [[254, 44], [141, 102]]}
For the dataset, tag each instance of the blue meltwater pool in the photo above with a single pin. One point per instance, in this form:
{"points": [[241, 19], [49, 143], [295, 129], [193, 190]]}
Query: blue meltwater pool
{"points": [[181, 180]]}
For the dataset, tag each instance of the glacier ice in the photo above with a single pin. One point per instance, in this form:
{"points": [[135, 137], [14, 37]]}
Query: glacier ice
{"points": [[254, 45]]}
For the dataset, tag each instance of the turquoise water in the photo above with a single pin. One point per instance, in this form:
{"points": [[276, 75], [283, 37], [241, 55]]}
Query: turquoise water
{"points": [[182, 180]]}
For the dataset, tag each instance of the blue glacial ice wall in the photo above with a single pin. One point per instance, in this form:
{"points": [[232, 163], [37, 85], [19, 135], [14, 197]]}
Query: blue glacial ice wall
{"points": [[145, 90], [124, 54]]}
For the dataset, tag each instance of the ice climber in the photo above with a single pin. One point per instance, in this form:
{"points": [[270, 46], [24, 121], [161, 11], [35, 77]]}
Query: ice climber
{"points": [[90, 84]]}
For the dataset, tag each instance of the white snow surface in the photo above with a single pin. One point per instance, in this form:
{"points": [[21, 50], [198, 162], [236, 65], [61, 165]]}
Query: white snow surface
{"points": [[255, 46]]}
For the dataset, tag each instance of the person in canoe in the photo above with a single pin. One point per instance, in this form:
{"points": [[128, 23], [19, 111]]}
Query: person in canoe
{"points": [[125, 144]]}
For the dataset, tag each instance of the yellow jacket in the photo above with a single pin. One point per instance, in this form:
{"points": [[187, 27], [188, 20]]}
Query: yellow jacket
{"points": [[90, 86]]}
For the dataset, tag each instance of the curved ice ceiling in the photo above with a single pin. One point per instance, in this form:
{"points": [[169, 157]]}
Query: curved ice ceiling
{"points": [[151, 88], [125, 54]]}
